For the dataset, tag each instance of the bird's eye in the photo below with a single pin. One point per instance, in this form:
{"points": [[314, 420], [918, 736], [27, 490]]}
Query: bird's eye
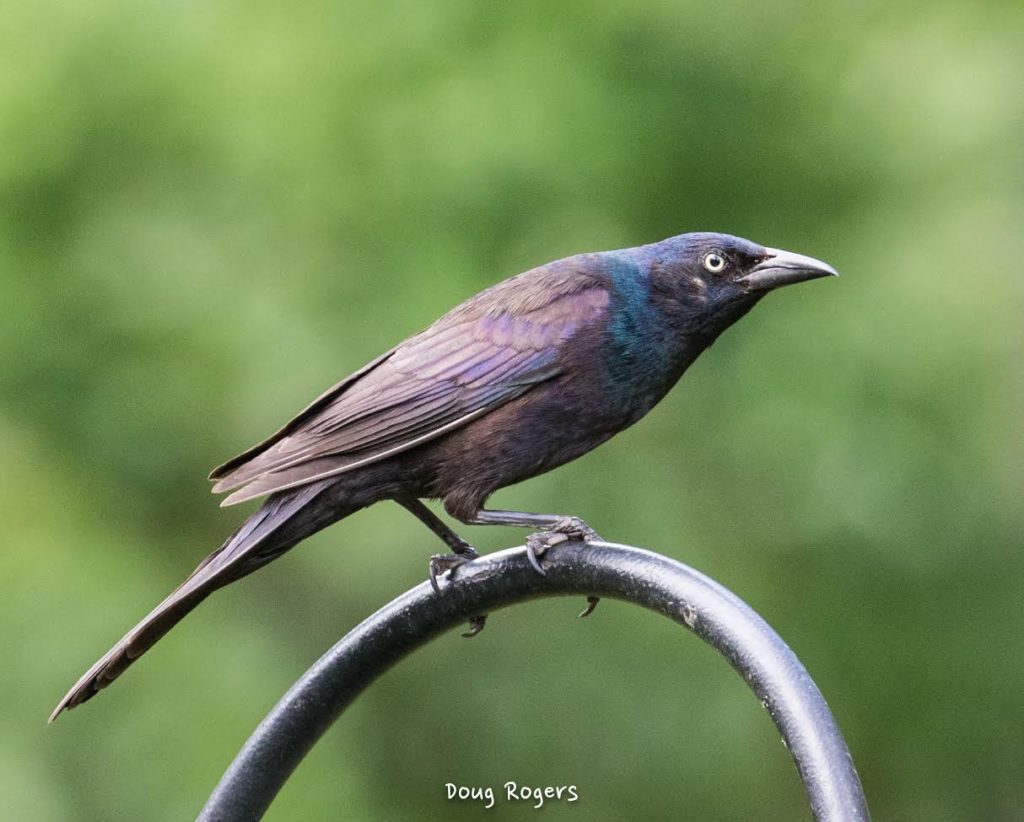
{"points": [[714, 262]]}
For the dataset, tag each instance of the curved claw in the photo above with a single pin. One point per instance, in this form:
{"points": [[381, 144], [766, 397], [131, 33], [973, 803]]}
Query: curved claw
{"points": [[531, 554], [565, 529], [445, 563], [432, 573], [591, 605], [476, 625]]}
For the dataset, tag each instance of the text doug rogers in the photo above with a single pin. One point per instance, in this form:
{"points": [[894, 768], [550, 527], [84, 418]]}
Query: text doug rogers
{"points": [[512, 792]]}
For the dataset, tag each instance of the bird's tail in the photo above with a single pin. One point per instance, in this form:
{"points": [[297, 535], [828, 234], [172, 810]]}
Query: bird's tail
{"points": [[284, 520]]}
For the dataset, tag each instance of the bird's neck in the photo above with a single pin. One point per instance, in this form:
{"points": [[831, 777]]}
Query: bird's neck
{"points": [[657, 329], [644, 351]]}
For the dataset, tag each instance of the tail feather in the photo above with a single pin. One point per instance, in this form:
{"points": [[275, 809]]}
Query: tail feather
{"points": [[260, 539]]}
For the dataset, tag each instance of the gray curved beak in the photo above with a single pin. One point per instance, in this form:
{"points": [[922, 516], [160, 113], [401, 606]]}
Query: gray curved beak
{"points": [[785, 268]]}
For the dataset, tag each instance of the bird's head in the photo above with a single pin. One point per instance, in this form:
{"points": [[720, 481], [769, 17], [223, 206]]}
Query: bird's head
{"points": [[721, 277]]}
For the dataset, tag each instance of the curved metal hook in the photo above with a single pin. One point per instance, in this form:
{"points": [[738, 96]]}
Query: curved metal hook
{"points": [[504, 578]]}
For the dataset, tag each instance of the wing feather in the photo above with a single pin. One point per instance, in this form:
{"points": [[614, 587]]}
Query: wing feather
{"points": [[491, 349]]}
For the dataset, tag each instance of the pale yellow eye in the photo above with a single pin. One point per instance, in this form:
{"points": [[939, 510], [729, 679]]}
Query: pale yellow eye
{"points": [[714, 262]]}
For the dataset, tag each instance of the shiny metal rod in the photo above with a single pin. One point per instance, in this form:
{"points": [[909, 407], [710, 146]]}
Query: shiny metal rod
{"points": [[712, 612]]}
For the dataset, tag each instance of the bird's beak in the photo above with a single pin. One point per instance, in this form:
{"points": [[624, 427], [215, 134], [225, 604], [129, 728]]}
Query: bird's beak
{"points": [[785, 268]]}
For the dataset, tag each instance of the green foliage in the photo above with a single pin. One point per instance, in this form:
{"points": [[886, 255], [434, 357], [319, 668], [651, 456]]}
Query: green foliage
{"points": [[208, 213]]}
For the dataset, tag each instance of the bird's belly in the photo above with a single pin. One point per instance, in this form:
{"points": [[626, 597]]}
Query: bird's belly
{"points": [[529, 435]]}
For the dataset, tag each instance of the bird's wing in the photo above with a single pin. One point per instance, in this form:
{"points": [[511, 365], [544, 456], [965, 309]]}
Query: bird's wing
{"points": [[489, 350]]}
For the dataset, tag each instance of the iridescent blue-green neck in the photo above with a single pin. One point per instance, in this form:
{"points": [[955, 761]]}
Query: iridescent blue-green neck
{"points": [[642, 350]]}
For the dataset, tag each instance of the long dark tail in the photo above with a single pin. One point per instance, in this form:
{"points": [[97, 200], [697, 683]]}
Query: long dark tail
{"points": [[284, 520]]}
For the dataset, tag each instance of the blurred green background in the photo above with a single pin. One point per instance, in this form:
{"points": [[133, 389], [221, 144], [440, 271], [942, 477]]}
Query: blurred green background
{"points": [[211, 212]]}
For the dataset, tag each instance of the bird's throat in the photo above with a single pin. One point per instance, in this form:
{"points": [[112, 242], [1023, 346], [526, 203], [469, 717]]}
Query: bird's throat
{"points": [[644, 351]]}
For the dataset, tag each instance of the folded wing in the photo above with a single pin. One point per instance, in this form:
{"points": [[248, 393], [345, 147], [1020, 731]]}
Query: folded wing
{"points": [[489, 350]]}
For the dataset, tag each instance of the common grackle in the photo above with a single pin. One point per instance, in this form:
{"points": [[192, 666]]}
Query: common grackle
{"points": [[519, 379]]}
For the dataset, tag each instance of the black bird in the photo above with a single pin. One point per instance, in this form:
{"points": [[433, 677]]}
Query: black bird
{"points": [[519, 379]]}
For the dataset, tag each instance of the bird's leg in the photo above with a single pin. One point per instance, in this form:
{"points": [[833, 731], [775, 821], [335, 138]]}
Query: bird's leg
{"points": [[438, 526], [442, 563], [550, 529]]}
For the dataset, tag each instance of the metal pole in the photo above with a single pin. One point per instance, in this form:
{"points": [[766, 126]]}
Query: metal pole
{"points": [[686, 596]]}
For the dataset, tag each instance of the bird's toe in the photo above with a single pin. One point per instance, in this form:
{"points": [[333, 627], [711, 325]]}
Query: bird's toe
{"points": [[575, 528], [476, 625], [538, 543], [441, 564]]}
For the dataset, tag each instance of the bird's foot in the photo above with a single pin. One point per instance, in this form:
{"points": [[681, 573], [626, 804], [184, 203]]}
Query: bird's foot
{"points": [[447, 563], [591, 605], [565, 529], [575, 528]]}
